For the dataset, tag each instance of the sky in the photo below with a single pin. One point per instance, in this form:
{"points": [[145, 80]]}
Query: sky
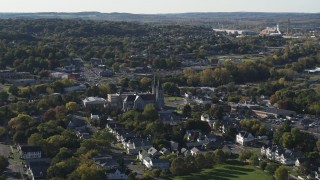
{"points": [[160, 6]]}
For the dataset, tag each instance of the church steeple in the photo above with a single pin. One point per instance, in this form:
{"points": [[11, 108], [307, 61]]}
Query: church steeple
{"points": [[154, 84]]}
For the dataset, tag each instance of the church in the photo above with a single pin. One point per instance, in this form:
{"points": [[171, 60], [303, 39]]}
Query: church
{"points": [[137, 101]]}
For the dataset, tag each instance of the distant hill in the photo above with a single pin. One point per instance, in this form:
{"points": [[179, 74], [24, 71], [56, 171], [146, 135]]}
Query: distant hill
{"points": [[232, 19]]}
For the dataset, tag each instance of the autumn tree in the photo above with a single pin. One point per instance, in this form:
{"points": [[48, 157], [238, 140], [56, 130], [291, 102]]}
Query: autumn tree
{"points": [[71, 106]]}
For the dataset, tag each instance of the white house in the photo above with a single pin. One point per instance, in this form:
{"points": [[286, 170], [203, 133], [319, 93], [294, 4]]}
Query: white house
{"points": [[194, 151], [244, 137], [282, 155], [29, 152]]}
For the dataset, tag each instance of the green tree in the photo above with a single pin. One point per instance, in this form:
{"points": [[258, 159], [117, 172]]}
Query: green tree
{"points": [[35, 139], [3, 163], [287, 140], [263, 165], [282, 173], [186, 111], [3, 96], [64, 153], [150, 112], [220, 157], [178, 166], [254, 160], [245, 155], [318, 144], [14, 90], [272, 167], [200, 161], [3, 131]]}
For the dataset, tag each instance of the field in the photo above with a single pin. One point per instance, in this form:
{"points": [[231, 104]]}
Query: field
{"points": [[232, 170]]}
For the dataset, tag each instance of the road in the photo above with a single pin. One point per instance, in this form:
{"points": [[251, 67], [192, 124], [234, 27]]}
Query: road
{"points": [[14, 169]]}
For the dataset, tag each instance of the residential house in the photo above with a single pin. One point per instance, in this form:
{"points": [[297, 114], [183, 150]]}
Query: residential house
{"points": [[192, 135], [116, 174], [77, 123], [164, 151], [153, 152], [81, 87], [174, 145], [168, 117], [185, 152], [83, 136], [209, 119], [37, 169], [195, 151], [94, 117], [106, 161], [133, 146], [300, 161], [156, 163], [30, 152], [244, 137], [281, 155], [143, 154]]}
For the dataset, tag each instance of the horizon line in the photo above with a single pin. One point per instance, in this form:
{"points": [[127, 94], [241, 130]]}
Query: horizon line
{"points": [[71, 12]]}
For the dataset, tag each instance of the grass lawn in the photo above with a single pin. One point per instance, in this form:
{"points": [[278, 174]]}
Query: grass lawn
{"points": [[174, 98], [315, 77], [232, 170]]}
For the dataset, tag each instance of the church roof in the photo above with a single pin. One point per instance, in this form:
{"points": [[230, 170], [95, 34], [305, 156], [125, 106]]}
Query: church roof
{"points": [[148, 97]]}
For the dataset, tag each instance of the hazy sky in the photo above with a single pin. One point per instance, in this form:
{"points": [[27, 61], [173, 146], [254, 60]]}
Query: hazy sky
{"points": [[159, 6]]}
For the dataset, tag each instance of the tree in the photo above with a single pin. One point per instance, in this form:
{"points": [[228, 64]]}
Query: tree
{"points": [[244, 155], [3, 163], [200, 161], [201, 125], [254, 160], [20, 122], [3, 96], [150, 112], [220, 157], [178, 166], [35, 139], [62, 169], [71, 106], [318, 144], [3, 131], [19, 137], [171, 89], [14, 90], [272, 167], [64, 153], [49, 115], [217, 125], [287, 140], [263, 165], [186, 111], [282, 173]]}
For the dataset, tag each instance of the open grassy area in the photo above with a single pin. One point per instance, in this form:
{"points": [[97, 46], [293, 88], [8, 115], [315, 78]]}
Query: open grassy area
{"points": [[174, 98], [313, 77], [232, 170]]}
